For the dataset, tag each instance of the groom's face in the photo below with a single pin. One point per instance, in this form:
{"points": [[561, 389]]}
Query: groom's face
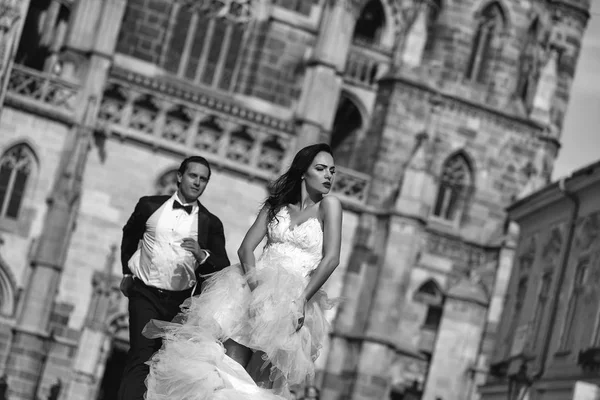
{"points": [[193, 181]]}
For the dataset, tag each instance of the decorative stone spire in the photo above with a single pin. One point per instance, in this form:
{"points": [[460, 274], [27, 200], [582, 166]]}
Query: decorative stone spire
{"points": [[416, 38], [546, 88], [10, 13]]}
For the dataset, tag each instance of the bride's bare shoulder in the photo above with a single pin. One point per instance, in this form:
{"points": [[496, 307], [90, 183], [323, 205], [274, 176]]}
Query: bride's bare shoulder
{"points": [[330, 206]]}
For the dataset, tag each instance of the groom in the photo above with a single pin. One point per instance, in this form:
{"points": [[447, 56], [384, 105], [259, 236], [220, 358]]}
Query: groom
{"points": [[168, 243]]}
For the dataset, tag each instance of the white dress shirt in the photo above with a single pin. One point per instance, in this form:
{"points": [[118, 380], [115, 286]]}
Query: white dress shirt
{"points": [[160, 261]]}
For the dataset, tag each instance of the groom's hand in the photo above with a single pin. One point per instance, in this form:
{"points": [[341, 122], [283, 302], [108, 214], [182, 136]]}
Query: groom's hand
{"points": [[193, 247], [126, 285]]}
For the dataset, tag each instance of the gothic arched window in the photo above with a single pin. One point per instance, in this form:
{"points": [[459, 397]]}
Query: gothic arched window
{"points": [[203, 49], [345, 140], [8, 288], [371, 23], [454, 188], [17, 166], [431, 294], [44, 32], [486, 43], [166, 184]]}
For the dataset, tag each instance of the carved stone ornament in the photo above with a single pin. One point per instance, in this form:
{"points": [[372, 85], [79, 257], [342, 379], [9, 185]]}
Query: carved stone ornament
{"points": [[553, 245], [228, 134], [235, 10], [9, 14], [527, 257], [589, 231]]}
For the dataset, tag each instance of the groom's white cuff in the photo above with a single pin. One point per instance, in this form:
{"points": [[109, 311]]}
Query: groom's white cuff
{"points": [[206, 255]]}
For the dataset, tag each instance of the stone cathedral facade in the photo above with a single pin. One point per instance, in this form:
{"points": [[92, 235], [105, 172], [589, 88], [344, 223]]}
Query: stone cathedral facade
{"points": [[440, 112]]}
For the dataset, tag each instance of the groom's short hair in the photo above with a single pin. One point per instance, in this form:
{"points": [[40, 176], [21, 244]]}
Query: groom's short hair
{"points": [[194, 159]]}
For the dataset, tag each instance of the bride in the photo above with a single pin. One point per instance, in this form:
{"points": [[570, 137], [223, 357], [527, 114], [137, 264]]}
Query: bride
{"points": [[265, 315]]}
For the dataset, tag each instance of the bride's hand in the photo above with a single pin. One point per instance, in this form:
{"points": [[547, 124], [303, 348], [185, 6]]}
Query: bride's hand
{"points": [[301, 309], [252, 284]]}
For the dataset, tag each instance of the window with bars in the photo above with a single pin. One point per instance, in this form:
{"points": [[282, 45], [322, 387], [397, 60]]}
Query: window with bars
{"points": [[454, 188], [204, 50], [16, 168], [486, 43], [566, 340]]}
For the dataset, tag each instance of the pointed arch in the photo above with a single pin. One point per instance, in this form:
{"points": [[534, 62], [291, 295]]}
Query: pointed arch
{"points": [[348, 125], [371, 24], [491, 24], [8, 290], [166, 183], [455, 187], [485, 7], [19, 165], [429, 292], [432, 295]]}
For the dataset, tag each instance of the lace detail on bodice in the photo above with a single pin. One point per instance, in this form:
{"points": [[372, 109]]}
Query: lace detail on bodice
{"points": [[298, 248]]}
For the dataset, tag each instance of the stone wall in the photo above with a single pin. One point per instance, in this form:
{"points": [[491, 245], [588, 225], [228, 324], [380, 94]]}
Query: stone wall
{"points": [[275, 67], [144, 29], [47, 139], [271, 53]]}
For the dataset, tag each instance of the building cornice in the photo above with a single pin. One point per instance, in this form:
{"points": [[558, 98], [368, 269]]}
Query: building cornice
{"points": [[467, 106], [202, 97], [577, 181]]}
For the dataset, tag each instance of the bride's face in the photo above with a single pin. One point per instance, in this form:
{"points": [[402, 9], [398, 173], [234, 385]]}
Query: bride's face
{"points": [[319, 176]]}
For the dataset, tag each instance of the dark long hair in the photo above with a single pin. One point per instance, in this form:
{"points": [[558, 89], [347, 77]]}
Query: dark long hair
{"points": [[287, 188]]}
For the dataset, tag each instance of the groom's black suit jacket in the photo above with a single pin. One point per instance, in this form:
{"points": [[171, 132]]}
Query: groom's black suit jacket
{"points": [[210, 235]]}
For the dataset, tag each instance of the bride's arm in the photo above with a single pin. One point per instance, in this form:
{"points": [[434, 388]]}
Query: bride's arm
{"points": [[331, 213], [253, 237]]}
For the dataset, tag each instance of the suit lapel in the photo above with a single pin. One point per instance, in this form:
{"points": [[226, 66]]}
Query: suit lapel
{"points": [[203, 222], [154, 203]]}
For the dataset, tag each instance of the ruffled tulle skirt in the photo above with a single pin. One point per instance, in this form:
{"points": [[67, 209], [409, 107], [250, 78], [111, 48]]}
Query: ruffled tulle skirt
{"points": [[192, 364]]}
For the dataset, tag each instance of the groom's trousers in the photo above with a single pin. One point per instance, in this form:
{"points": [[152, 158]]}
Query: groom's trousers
{"points": [[145, 303]]}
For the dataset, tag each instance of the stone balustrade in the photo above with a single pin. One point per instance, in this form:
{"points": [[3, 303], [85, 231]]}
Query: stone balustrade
{"points": [[364, 64], [228, 135], [185, 122], [42, 93]]}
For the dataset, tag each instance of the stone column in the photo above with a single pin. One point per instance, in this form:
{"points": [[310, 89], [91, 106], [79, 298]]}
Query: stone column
{"points": [[94, 344], [457, 347], [324, 68], [94, 51], [12, 19], [381, 339]]}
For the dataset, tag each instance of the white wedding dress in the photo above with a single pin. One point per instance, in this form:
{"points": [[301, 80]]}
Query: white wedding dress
{"points": [[192, 364]]}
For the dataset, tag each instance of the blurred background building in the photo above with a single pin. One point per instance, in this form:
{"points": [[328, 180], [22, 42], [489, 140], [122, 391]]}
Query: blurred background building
{"points": [[548, 343], [441, 114]]}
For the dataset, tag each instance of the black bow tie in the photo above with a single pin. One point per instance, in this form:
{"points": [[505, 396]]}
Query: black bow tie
{"points": [[187, 209]]}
